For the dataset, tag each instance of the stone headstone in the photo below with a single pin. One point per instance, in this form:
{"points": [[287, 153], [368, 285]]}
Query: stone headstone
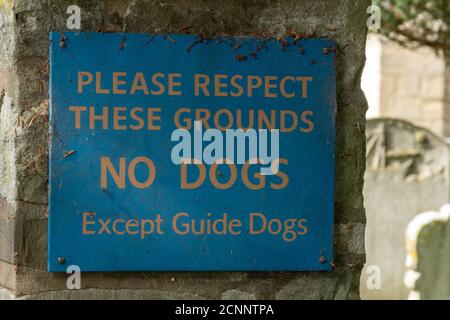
{"points": [[428, 255], [407, 173]]}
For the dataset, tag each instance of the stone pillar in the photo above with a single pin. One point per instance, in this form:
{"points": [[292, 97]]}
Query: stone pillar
{"points": [[24, 59]]}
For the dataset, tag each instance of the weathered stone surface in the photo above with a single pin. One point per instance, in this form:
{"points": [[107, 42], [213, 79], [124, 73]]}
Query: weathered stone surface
{"points": [[7, 240], [102, 294], [33, 249], [407, 173], [26, 149], [6, 294], [8, 276], [7, 36], [8, 120], [237, 295], [428, 259], [341, 284], [352, 237]]}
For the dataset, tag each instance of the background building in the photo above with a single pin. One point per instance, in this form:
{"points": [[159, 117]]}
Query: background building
{"points": [[409, 84]]}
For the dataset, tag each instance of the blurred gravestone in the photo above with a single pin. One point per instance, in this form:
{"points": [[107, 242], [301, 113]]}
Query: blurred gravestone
{"points": [[428, 255], [407, 173]]}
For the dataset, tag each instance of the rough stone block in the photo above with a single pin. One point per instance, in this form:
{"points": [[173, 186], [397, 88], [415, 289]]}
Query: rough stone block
{"points": [[7, 248]]}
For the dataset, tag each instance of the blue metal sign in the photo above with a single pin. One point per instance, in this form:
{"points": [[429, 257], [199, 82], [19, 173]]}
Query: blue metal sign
{"points": [[174, 152]]}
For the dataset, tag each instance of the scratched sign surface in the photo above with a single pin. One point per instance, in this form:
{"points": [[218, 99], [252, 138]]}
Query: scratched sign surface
{"points": [[125, 107]]}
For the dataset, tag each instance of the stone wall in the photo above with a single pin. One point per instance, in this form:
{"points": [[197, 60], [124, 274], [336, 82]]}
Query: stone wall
{"points": [[407, 84], [24, 142]]}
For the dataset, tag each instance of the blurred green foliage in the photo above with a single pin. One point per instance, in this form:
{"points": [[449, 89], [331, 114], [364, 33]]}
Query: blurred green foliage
{"points": [[417, 23]]}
